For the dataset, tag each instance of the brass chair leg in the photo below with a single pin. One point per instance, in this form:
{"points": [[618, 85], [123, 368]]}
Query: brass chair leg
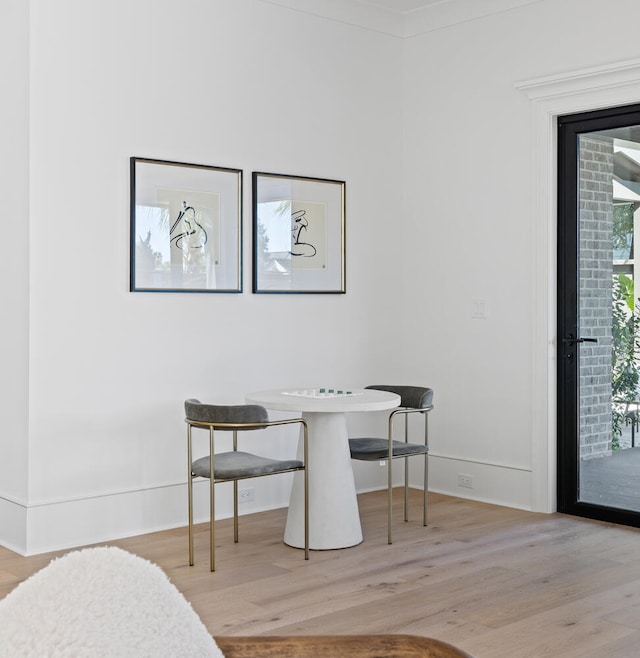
{"points": [[190, 494], [406, 470], [235, 493], [426, 489], [212, 504], [406, 489], [390, 497], [306, 514], [235, 511], [426, 470], [305, 434]]}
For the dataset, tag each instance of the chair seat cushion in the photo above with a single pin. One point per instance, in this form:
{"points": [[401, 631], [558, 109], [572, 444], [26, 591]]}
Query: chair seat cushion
{"points": [[238, 465], [372, 449]]}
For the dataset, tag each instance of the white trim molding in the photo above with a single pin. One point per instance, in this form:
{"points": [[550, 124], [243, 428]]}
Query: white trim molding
{"points": [[580, 83], [495, 484], [13, 519], [62, 523], [567, 93]]}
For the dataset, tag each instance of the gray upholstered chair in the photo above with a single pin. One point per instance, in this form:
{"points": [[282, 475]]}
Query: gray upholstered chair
{"points": [[413, 400], [236, 465]]}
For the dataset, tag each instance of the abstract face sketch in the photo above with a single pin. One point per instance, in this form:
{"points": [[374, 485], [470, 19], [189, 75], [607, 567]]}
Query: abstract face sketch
{"points": [[187, 232], [192, 220], [308, 235], [300, 226]]}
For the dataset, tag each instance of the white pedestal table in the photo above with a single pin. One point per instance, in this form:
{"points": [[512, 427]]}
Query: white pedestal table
{"points": [[334, 519]]}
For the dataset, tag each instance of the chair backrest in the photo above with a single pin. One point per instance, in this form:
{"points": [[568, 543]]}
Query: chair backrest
{"points": [[233, 414], [411, 397]]}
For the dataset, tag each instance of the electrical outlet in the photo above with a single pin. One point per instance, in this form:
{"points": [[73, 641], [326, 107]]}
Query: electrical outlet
{"points": [[465, 481], [479, 310], [383, 462], [247, 495]]}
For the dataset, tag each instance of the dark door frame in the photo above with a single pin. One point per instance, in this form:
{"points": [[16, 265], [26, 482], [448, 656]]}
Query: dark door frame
{"points": [[570, 127]]}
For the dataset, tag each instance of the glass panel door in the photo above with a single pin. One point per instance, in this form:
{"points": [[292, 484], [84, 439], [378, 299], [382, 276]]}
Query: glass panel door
{"points": [[598, 314]]}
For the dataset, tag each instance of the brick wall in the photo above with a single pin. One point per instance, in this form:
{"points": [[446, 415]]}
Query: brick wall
{"points": [[596, 273]]}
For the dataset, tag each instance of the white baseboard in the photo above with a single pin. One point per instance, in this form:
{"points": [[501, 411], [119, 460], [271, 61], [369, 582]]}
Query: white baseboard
{"points": [[64, 524], [67, 524], [505, 485], [509, 486], [53, 525], [13, 525]]}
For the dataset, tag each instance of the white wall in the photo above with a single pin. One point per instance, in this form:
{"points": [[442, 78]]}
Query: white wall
{"points": [[468, 200], [434, 141], [220, 82], [14, 270]]}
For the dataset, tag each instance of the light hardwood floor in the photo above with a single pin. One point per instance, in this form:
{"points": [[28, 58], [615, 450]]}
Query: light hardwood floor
{"points": [[494, 581]]}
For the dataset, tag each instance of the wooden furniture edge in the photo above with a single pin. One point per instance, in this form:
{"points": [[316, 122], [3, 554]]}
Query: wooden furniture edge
{"points": [[336, 646]]}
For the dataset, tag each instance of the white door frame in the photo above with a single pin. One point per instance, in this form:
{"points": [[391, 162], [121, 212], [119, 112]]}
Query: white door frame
{"points": [[568, 93]]}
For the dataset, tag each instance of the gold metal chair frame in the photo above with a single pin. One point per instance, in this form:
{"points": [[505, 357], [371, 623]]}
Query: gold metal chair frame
{"points": [[234, 427], [406, 411]]}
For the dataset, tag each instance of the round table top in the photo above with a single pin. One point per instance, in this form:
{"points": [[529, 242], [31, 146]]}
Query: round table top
{"points": [[325, 400]]}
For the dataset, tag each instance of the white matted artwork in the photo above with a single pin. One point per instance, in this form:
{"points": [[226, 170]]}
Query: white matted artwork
{"points": [[298, 234], [185, 227]]}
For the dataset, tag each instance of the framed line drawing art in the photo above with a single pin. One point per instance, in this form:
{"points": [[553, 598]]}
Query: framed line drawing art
{"points": [[298, 234], [186, 227]]}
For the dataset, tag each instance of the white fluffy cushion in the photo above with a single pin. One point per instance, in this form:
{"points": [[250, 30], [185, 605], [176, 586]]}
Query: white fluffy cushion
{"points": [[99, 603]]}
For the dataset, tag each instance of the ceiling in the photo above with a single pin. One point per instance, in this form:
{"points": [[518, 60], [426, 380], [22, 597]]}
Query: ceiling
{"points": [[402, 18], [401, 6]]}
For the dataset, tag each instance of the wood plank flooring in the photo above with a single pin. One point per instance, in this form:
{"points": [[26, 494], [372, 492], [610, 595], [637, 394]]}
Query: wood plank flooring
{"points": [[493, 581]]}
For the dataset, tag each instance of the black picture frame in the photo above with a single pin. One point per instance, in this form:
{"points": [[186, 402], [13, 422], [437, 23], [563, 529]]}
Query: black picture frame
{"points": [[186, 227], [298, 234]]}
